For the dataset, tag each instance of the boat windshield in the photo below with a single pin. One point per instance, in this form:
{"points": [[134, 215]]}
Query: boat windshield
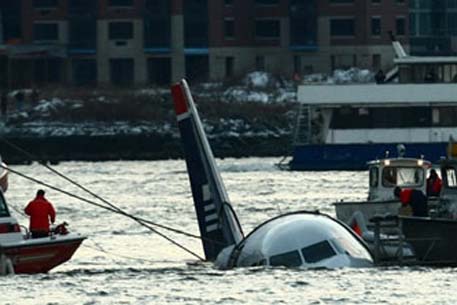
{"points": [[402, 176], [451, 177], [3, 209]]}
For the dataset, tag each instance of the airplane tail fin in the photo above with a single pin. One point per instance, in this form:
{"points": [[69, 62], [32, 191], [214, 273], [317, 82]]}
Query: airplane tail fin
{"points": [[398, 48], [218, 224]]}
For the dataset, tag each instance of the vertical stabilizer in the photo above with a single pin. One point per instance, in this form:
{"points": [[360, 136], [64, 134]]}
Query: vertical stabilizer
{"points": [[217, 221]]}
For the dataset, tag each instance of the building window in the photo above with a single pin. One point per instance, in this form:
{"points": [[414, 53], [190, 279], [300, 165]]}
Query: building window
{"points": [[297, 64], [376, 61], [82, 33], [228, 2], [229, 29], [159, 71], [342, 27], [122, 71], [45, 32], [400, 26], [303, 23], [195, 23], [44, 3], [375, 26], [229, 66], [341, 1], [120, 30], [267, 28], [82, 7], [120, 2], [267, 2], [260, 63], [84, 71]]}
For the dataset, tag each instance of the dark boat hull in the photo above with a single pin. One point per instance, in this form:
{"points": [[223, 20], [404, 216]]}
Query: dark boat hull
{"points": [[434, 241], [356, 156]]}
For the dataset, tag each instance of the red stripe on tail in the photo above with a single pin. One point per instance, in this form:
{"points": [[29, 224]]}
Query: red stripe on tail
{"points": [[179, 99]]}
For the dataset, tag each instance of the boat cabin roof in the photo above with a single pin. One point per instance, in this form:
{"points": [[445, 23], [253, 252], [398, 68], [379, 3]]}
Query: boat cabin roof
{"points": [[400, 162], [374, 95], [426, 60]]}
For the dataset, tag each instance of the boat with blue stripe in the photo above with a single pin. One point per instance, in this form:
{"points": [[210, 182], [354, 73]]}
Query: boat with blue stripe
{"points": [[342, 127]]}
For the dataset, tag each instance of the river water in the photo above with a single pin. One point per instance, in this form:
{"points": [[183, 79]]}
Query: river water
{"points": [[123, 263]]}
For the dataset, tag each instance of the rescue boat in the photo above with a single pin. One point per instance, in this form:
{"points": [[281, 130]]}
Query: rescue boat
{"points": [[391, 231], [19, 253]]}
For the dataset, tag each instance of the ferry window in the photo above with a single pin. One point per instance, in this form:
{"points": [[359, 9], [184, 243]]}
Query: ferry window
{"points": [[318, 252], [374, 176], [289, 259], [402, 176], [451, 177], [447, 116], [3, 209]]}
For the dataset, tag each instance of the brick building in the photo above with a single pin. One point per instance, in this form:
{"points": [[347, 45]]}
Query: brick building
{"points": [[127, 42]]}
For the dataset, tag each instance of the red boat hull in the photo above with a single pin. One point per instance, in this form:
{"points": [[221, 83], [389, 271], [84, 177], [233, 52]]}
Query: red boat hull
{"points": [[41, 257]]}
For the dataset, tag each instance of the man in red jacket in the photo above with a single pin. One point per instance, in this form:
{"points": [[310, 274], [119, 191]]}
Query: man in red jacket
{"points": [[415, 199], [41, 212]]}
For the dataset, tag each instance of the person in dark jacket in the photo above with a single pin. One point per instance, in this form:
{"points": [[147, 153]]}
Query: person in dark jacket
{"points": [[434, 184], [414, 198], [41, 212]]}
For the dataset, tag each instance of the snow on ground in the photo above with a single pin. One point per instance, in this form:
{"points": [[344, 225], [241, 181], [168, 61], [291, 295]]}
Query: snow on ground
{"points": [[255, 87], [352, 75]]}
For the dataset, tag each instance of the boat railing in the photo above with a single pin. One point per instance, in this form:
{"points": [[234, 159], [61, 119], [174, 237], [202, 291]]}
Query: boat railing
{"points": [[302, 125], [391, 225]]}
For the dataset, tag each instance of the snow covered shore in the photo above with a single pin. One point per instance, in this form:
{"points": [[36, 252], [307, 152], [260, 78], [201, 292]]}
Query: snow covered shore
{"points": [[253, 116]]}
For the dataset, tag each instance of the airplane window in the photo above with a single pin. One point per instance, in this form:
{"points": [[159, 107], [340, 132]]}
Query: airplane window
{"points": [[289, 259], [318, 252]]}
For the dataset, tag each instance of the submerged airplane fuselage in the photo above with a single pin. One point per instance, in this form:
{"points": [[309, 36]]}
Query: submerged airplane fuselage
{"points": [[300, 239]]}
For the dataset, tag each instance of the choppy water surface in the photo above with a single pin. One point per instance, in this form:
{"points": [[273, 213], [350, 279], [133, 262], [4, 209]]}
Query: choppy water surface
{"points": [[123, 263]]}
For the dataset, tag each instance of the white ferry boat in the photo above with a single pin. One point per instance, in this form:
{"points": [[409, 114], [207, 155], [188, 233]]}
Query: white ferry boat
{"points": [[342, 127]]}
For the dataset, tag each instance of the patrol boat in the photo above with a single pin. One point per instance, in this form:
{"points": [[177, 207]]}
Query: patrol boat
{"points": [[299, 239], [391, 232], [19, 253], [384, 175]]}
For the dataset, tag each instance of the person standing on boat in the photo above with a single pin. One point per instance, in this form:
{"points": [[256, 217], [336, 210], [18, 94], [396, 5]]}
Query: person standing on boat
{"points": [[41, 212], [415, 199], [433, 184]]}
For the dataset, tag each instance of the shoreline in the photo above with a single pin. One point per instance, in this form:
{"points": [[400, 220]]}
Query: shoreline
{"points": [[56, 149]]}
